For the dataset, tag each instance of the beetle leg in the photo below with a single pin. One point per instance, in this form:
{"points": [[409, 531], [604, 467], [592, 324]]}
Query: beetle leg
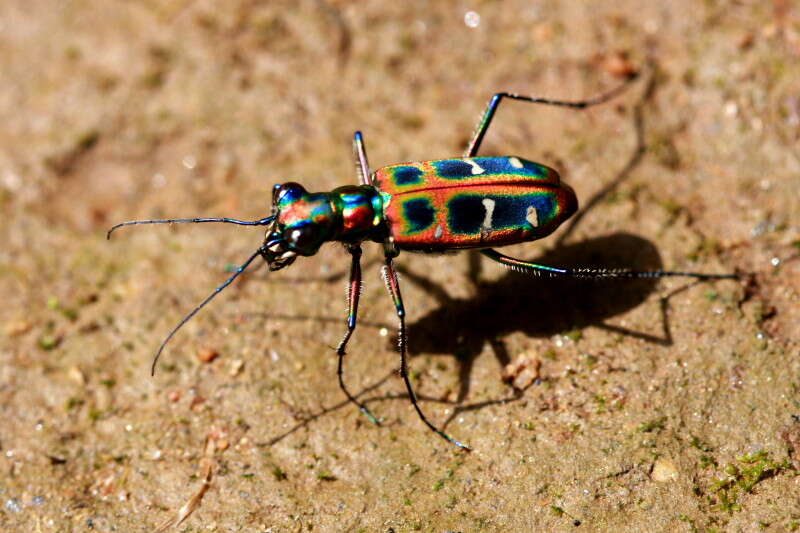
{"points": [[488, 114], [362, 165], [390, 277], [353, 294], [593, 273]]}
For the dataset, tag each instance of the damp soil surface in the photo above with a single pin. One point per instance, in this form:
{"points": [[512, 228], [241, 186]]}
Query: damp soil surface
{"points": [[648, 406]]}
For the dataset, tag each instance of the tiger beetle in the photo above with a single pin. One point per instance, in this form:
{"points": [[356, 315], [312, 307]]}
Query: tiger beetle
{"points": [[435, 206]]}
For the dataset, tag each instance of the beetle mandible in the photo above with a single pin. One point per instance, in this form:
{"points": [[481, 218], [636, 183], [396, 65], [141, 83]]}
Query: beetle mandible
{"points": [[430, 206]]}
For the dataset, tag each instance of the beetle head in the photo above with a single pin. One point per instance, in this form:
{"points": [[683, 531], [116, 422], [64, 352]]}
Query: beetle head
{"points": [[303, 221]]}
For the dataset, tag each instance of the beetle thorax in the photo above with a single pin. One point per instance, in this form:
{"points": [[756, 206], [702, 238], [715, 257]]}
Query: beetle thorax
{"points": [[359, 212]]}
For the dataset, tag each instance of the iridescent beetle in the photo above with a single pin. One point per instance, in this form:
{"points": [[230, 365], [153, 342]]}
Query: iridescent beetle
{"points": [[430, 206]]}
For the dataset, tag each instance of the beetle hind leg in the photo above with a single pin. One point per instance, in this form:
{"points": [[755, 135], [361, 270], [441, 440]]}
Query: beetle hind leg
{"points": [[488, 114], [593, 273]]}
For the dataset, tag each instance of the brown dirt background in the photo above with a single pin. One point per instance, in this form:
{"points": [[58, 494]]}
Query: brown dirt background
{"points": [[650, 391]]}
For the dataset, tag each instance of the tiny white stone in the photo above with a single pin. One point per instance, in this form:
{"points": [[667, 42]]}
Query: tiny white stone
{"points": [[664, 470], [189, 162], [532, 216], [439, 232], [472, 19], [515, 162]]}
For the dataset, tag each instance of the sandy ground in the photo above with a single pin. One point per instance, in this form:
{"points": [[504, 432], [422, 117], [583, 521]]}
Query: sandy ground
{"points": [[663, 406]]}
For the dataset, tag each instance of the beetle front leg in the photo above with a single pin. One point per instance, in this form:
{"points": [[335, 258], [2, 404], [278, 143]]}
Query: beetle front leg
{"points": [[353, 294], [593, 273], [390, 277]]}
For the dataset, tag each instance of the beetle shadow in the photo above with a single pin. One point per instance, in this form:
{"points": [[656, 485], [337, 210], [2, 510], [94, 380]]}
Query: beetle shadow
{"points": [[534, 306], [539, 306]]}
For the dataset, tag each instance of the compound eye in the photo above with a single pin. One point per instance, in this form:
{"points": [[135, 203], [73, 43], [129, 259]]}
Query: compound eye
{"points": [[303, 239], [288, 192]]}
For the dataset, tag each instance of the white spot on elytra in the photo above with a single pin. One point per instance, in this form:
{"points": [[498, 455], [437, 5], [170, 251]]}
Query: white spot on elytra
{"points": [[487, 219], [532, 216], [476, 168], [438, 233], [515, 162]]}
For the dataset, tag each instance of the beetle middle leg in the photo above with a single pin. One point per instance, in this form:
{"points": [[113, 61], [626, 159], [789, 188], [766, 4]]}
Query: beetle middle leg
{"points": [[392, 285], [486, 119], [353, 295], [362, 165]]}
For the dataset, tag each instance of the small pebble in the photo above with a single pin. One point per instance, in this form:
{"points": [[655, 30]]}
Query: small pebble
{"points": [[197, 401], [13, 506], [664, 470], [236, 367], [522, 372], [619, 66], [206, 355], [14, 328], [189, 162], [472, 19]]}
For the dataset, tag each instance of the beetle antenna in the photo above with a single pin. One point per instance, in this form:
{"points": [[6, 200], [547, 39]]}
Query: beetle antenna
{"points": [[202, 304], [261, 222]]}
